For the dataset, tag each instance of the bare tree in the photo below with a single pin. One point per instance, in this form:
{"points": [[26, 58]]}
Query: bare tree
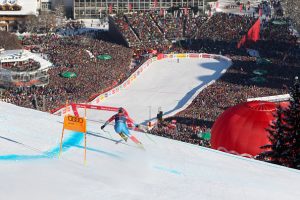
{"points": [[47, 21], [31, 23], [60, 14], [292, 10], [9, 41]]}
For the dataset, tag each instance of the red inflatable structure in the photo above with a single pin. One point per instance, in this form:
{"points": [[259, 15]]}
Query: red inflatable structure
{"points": [[241, 129]]}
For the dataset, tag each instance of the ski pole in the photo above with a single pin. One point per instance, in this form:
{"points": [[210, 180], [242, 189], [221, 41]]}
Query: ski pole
{"points": [[108, 133], [143, 129], [149, 137]]}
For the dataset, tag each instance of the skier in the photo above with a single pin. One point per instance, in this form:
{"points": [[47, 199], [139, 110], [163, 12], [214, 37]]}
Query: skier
{"points": [[121, 120]]}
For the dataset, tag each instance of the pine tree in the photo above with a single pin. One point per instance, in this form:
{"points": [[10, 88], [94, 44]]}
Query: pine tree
{"points": [[292, 118], [284, 133], [277, 150]]}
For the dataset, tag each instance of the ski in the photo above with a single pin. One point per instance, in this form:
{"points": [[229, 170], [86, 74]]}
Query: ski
{"points": [[124, 137], [96, 134], [103, 137], [119, 141], [136, 141]]}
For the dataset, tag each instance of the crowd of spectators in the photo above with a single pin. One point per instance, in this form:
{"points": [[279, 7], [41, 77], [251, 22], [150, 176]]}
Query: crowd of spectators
{"points": [[141, 31], [126, 30], [71, 54], [152, 30], [225, 27], [182, 132], [144, 26], [192, 24], [171, 26]]}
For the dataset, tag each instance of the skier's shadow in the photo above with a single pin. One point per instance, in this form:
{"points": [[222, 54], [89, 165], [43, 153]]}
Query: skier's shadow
{"points": [[94, 134]]}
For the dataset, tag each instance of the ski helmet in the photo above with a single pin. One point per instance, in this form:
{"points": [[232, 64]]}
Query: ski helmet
{"points": [[121, 110]]}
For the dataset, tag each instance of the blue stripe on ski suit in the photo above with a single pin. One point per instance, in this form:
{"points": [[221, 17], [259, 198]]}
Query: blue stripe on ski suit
{"points": [[121, 127], [120, 124]]}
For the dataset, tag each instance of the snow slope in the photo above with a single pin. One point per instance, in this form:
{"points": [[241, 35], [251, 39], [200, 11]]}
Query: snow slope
{"points": [[165, 85], [166, 169]]}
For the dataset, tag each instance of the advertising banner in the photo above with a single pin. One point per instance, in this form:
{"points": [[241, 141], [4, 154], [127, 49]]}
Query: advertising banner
{"points": [[205, 56], [181, 56], [194, 55]]}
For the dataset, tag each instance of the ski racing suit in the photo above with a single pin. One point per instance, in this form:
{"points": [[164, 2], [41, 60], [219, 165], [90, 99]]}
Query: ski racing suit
{"points": [[120, 123]]}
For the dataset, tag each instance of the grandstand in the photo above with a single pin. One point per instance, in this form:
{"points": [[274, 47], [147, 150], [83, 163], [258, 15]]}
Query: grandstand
{"points": [[154, 30]]}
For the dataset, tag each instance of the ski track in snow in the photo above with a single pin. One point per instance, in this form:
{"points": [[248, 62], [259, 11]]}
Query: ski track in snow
{"points": [[72, 142]]}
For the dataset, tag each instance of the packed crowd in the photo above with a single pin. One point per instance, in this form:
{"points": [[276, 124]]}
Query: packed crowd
{"points": [[182, 132], [71, 54], [152, 30], [144, 26], [124, 28], [225, 27], [171, 26], [141, 31], [278, 41], [192, 24]]}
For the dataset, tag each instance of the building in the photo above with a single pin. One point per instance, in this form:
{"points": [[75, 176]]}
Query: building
{"points": [[48, 5], [14, 12], [21, 68], [95, 9], [44, 5]]}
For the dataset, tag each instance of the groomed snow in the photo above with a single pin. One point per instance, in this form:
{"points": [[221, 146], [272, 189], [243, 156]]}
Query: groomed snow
{"points": [[166, 169], [165, 85]]}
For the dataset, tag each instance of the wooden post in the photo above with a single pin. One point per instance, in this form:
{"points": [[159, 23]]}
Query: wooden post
{"points": [[62, 133], [85, 148], [44, 103], [85, 138], [61, 140]]}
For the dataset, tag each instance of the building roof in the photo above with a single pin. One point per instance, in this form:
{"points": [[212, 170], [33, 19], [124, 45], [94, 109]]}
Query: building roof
{"points": [[23, 55], [28, 7]]}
